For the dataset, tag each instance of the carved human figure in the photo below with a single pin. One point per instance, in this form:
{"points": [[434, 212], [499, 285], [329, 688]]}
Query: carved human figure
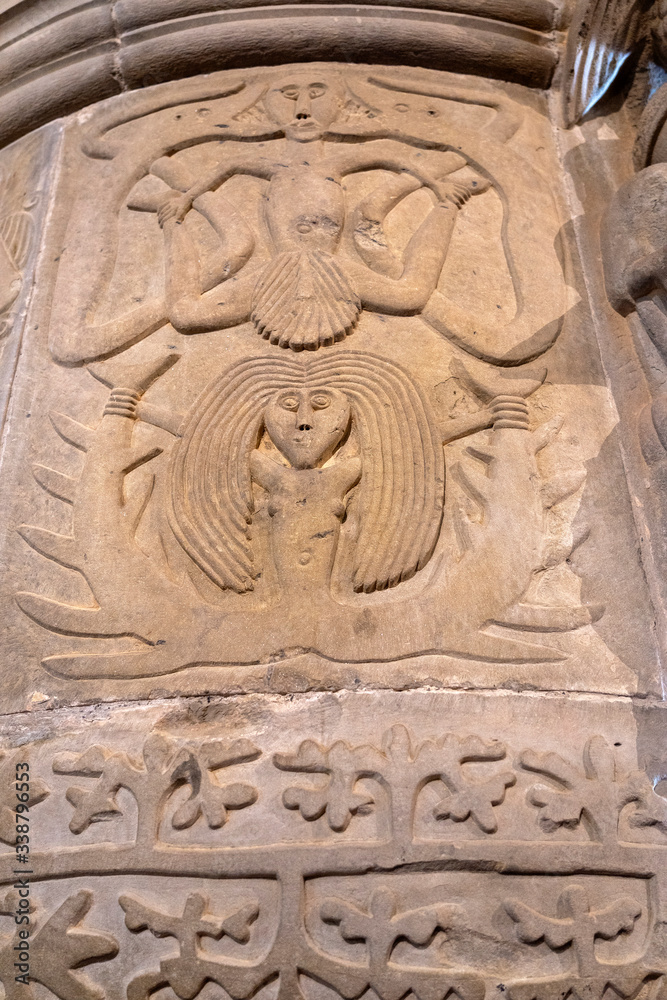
{"points": [[261, 225], [311, 290], [361, 443], [295, 484], [306, 500]]}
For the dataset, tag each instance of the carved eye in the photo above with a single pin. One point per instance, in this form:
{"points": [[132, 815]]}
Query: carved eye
{"points": [[316, 90], [289, 403], [291, 92], [319, 401]]}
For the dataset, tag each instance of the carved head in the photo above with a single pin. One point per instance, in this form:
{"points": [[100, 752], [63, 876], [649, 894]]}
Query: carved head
{"points": [[307, 425], [307, 404], [305, 104]]}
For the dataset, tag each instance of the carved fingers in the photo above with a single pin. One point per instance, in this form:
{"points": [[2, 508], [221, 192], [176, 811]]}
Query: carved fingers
{"points": [[459, 191], [123, 403], [454, 192], [175, 206]]}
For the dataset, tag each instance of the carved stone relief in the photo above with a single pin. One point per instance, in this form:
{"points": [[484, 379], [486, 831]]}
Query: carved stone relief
{"points": [[24, 179], [268, 192], [295, 423], [170, 852], [332, 664]]}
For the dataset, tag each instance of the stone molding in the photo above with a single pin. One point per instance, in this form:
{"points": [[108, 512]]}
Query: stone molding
{"points": [[58, 57]]}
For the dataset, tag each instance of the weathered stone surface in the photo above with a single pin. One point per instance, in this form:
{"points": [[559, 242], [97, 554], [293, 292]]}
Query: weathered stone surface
{"points": [[62, 55], [25, 181], [414, 841], [394, 497], [333, 494]]}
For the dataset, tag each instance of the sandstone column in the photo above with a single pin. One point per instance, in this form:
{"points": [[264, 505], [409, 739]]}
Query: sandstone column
{"points": [[333, 555]]}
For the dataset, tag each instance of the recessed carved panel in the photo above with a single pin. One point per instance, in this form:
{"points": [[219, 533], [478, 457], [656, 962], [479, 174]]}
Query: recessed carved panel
{"points": [[307, 411]]}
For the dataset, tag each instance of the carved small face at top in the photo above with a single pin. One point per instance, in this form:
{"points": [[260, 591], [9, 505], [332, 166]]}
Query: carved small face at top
{"points": [[307, 425], [305, 105]]}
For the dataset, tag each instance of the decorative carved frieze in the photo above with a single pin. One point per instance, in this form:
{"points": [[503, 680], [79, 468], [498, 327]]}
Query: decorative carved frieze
{"points": [[296, 912]]}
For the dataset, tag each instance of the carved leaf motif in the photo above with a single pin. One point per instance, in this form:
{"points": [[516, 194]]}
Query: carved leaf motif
{"points": [[598, 795], [195, 921], [556, 808], [468, 797], [90, 807], [577, 923], [534, 926], [213, 803], [114, 770], [59, 947], [344, 766], [166, 766], [477, 802], [207, 797], [381, 925], [187, 973], [38, 792]]}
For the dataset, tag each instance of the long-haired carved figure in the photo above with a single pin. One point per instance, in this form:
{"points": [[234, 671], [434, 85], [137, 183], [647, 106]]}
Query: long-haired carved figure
{"points": [[330, 466], [362, 444]]}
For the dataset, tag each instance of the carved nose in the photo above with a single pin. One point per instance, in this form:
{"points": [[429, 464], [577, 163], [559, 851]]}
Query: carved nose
{"points": [[303, 415], [303, 109]]}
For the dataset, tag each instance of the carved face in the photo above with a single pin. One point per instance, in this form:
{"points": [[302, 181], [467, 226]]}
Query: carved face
{"points": [[305, 105], [307, 425]]}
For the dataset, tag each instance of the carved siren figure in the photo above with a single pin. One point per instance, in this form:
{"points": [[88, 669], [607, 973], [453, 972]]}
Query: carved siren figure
{"points": [[315, 258], [297, 484], [300, 485], [310, 292], [363, 409]]}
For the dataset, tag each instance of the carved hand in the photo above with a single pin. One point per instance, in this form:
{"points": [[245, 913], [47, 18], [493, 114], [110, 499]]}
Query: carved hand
{"points": [[175, 206], [460, 191], [123, 403], [454, 192]]}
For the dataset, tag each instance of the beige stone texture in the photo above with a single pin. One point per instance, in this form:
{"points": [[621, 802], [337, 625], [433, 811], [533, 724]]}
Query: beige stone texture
{"points": [[395, 483], [329, 843], [333, 477]]}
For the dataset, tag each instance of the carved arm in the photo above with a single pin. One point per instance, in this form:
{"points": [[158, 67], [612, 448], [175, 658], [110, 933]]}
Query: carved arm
{"points": [[391, 155], [502, 411], [176, 205]]}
